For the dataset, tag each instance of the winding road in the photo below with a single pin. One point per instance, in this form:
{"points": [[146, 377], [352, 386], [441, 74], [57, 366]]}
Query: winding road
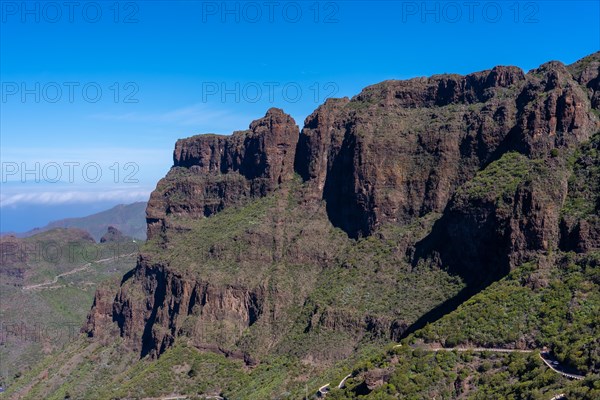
{"points": [[343, 382], [322, 392], [558, 369], [71, 272]]}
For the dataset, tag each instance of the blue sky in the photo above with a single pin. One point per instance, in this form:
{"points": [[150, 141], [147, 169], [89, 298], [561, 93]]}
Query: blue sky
{"points": [[102, 86]]}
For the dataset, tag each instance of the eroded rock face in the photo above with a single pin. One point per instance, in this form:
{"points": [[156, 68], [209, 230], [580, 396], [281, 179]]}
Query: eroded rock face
{"points": [[219, 314], [100, 318], [499, 221], [580, 235], [211, 172], [266, 150], [580, 224], [398, 151], [554, 111], [587, 72], [343, 321], [376, 377]]}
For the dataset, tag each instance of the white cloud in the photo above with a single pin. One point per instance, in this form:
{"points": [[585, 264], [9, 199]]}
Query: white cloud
{"points": [[71, 197]]}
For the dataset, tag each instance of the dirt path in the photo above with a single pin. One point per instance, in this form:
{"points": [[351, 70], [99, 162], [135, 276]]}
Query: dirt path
{"points": [[71, 272]]}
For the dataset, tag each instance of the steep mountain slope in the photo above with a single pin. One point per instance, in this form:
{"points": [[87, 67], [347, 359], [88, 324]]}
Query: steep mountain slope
{"points": [[47, 285], [281, 257], [537, 306], [551, 302]]}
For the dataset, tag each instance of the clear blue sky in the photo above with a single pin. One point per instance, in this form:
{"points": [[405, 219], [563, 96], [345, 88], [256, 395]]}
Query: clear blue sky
{"points": [[194, 67]]}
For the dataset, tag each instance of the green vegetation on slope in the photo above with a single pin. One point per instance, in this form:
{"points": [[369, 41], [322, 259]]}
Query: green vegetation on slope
{"points": [[583, 200], [47, 285], [553, 302], [410, 373], [501, 178], [334, 312], [534, 307]]}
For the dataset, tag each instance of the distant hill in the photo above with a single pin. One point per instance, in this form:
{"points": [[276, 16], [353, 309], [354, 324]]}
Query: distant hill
{"points": [[130, 219]]}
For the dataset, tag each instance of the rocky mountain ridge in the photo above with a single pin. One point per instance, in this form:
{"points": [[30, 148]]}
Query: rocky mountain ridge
{"points": [[399, 153]]}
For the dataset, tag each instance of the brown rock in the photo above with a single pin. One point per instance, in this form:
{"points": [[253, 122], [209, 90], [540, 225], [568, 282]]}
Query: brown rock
{"points": [[113, 235], [211, 172], [398, 151], [151, 325], [376, 377]]}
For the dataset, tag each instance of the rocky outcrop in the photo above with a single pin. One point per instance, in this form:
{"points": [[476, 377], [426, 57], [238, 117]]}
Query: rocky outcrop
{"points": [[376, 377], [211, 172], [486, 151], [396, 151], [399, 149], [345, 320], [587, 72], [113, 235], [100, 318], [580, 224], [554, 111], [322, 134], [500, 219], [175, 305], [266, 150], [580, 234]]}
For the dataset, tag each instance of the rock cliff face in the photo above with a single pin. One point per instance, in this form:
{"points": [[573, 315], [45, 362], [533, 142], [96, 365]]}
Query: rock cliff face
{"points": [[503, 217], [211, 172], [399, 149], [488, 152], [263, 151], [580, 223], [151, 326]]}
